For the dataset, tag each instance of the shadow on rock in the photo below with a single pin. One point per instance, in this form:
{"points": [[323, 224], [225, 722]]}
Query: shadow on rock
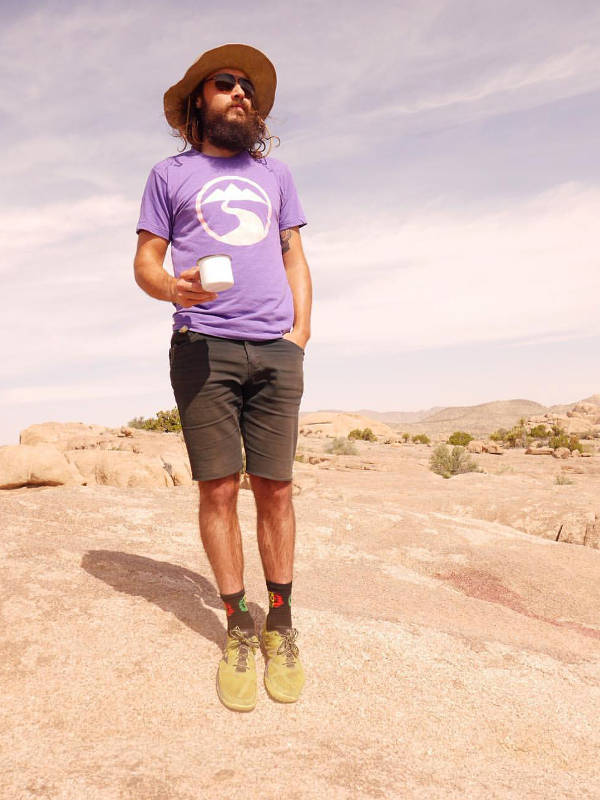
{"points": [[174, 589]]}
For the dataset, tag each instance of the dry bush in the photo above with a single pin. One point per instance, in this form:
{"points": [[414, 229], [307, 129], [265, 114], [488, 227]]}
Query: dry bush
{"points": [[448, 462], [341, 446]]}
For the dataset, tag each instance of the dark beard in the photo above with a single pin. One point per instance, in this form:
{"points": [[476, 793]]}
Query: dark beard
{"points": [[230, 134]]}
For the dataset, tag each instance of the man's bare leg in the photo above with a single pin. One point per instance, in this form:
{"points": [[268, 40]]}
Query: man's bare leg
{"points": [[276, 527], [276, 531], [220, 531], [222, 540]]}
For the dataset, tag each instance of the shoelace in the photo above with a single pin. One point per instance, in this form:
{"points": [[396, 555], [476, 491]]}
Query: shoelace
{"points": [[288, 648], [243, 643]]}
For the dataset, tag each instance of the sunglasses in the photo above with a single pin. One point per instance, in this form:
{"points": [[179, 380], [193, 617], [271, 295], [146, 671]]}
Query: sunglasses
{"points": [[225, 82]]}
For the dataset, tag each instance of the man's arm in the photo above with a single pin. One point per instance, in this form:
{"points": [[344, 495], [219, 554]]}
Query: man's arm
{"points": [[298, 277], [151, 276]]}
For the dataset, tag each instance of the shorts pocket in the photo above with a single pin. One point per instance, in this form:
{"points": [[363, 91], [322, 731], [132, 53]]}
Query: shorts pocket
{"points": [[297, 346]]}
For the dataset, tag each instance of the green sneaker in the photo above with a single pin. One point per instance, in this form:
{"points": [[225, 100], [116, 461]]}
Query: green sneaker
{"points": [[236, 675], [284, 675]]}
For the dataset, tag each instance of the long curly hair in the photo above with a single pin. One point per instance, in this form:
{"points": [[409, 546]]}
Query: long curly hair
{"points": [[191, 131]]}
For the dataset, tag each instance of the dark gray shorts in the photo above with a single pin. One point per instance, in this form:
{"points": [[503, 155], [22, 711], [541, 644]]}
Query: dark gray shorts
{"points": [[229, 389]]}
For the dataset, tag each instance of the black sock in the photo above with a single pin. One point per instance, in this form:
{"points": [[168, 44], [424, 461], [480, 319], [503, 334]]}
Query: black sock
{"points": [[237, 612], [280, 606]]}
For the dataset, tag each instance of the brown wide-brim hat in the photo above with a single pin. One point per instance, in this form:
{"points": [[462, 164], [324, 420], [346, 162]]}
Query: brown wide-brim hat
{"points": [[239, 56]]}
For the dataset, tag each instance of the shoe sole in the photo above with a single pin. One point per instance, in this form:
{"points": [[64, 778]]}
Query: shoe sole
{"points": [[233, 706]]}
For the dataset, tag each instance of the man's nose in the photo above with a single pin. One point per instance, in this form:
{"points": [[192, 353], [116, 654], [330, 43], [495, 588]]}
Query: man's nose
{"points": [[237, 90]]}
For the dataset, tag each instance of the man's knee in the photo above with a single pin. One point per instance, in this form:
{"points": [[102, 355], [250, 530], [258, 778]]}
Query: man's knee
{"points": [[271, 491], [220, 491]]}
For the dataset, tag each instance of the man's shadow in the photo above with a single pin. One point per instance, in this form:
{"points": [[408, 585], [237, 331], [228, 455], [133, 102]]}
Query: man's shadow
{"points": [[177, 590]]}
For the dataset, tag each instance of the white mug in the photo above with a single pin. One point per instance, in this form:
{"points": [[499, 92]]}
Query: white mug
{"points": [[216, 274]]}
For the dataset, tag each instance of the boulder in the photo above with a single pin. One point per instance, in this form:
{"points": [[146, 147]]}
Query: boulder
{"points": [[332, 424], [539, 451], [41, 465], [475, 446], [584, 409], [493, 449], [179, 470], [562, 452], [591, 536], [581, 528], [569, 468], [120, 468], [61, 434]]}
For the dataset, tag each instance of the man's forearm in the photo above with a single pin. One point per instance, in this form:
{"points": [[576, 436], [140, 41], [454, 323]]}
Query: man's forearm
{"points": [[298, 277], [155, 281]]}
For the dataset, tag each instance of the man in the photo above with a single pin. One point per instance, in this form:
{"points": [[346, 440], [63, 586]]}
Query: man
{"points": [[236, 357]]}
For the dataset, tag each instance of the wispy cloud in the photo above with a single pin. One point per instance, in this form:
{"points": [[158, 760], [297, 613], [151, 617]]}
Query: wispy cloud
{"points": [[439, 277], [31, 230], [89, 390], [580, 65]]}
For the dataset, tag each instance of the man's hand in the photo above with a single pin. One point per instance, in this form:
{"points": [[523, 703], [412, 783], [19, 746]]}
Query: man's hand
{"points": [[188, 291], [298, 338]]}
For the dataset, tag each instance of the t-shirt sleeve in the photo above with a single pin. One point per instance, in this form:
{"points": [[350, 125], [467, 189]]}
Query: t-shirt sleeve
{"points": [[155, 213], [291, 213]]}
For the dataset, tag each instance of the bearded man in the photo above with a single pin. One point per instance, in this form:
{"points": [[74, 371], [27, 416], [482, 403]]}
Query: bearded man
{"points": [[236, 357]]}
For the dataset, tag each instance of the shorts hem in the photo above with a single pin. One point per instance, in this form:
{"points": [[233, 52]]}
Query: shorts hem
{"points": [[215, 476], [261, 474]]}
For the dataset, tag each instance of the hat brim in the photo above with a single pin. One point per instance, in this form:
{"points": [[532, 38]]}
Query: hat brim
{"points": [[239, 56]]}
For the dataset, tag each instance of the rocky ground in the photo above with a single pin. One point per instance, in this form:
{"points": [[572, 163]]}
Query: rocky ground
{"points": [[449, 652]]}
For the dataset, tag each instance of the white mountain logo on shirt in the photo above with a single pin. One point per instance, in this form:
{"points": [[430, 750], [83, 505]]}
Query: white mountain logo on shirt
{"points": [[222, 199]]}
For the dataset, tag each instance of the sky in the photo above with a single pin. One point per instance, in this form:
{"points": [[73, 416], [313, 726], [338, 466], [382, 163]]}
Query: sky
{"points": [[445, 153]]}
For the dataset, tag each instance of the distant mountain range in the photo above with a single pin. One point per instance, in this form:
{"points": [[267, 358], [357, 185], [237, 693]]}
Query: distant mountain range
{"points": [[478, 420]]}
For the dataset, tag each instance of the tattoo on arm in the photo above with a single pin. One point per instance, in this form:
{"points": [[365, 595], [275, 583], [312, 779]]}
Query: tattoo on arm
{"points": [[285, 237]]}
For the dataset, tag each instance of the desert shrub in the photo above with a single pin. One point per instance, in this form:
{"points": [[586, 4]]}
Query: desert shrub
{"points": [[461, 438], [575, 444], [165, 421], [563, 439], [515, 437], [136, 422], [563, 480], [447, 462], [559, 440], [504, 468], [540, 432], [405, 437], [421, 438], [366, 434], [340, 446]]}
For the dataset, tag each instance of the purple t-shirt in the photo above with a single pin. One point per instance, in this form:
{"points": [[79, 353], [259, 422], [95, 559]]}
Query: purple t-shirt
{"points": [[206, 205]]}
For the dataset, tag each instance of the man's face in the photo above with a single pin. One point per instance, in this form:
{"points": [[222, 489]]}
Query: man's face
{"points": [[228, 117], [234, 104]]}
